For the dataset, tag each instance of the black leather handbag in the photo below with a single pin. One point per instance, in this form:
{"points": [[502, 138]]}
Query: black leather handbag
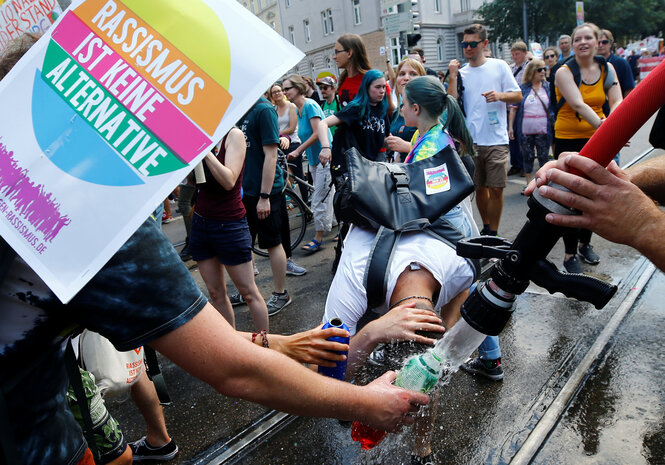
{"points": [[401, 196]]}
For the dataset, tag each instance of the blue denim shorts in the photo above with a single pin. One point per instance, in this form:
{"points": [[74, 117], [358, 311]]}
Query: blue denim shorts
{"points": [[229, 241]]}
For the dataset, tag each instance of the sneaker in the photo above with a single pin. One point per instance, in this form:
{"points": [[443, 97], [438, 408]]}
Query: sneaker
{"points": [[378, 356], [277, 302], [588, 255], [144, 451], [256, 270], [236, 299], [490, 369], [572, 265], [293, 269], [427, 460]]}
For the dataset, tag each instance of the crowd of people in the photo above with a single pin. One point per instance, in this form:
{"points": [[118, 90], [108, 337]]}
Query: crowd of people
{"points": [[503, 116]]}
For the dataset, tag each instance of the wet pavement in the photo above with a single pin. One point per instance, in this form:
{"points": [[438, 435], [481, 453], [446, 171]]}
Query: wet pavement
{"points": [[615, 418]]}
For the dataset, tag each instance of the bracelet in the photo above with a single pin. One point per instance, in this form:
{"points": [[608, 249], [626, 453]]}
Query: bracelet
{"points": [[411, 297], [325, 147], [264, 338]]}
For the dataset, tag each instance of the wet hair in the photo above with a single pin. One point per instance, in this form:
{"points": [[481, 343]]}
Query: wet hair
{"points": [[595, 29], [362, 97], [359, 59], [531, 69], [519, 45], [16, 50], [298, 82], [477, 29], [431, 96]]}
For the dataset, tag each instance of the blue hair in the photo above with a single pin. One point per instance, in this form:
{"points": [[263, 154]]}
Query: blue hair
{"points": [[362, 97]]}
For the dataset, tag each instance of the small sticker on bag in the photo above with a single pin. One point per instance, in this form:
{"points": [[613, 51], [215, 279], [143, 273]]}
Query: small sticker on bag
{"points": [[437, 179]]}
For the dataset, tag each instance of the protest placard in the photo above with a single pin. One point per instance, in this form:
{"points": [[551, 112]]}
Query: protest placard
{"points": [[110, 110], [20, 16]]}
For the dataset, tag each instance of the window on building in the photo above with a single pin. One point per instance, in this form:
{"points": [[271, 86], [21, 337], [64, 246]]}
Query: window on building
{"points": [[292, 35], [305, 24], [327, 22], [439, 49], [287, 3], [465, 5], [251, 6], [357, 19], [437, 6], [395, 50], [328, 63]]}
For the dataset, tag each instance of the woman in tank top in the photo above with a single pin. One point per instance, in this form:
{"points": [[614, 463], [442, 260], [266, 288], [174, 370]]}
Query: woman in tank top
{"points": [[220, 236], [578, 119]]}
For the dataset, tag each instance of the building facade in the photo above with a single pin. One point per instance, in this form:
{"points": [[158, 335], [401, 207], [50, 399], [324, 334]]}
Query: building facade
{"points": [[266, 10], [313, 27]]}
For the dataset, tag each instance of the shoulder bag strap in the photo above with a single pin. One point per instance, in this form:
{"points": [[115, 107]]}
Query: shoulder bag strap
{"points": [[549, 117], [378, 266], [81, 399], [155, 374]]}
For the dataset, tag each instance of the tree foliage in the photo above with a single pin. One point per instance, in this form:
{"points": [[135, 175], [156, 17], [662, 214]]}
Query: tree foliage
{"points": [[627, 19]]}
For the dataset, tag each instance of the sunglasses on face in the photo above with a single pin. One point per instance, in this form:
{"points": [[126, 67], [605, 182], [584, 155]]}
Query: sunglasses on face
{"points": [[287, 88], [540, 70], [472, 44], [550, 56], [604, 42], [324, 87], [336, 52]]}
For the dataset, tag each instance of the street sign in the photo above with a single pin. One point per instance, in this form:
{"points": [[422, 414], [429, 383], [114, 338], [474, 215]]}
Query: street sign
{"points": [[401, 22]]}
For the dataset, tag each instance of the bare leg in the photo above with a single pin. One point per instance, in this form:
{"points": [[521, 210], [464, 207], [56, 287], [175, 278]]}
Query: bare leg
{"points": [[145, 397], [424, 426], [125, 459], [482, 201], [243, 277], [212, 273], [494, 207], [278, 266]]}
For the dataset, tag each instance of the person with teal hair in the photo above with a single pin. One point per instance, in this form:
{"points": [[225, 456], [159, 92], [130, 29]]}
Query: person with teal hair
{"points": [[363, 123]]}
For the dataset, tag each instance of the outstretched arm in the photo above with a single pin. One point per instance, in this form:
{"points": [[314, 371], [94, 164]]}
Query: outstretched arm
{"points": [[210, 349], [611, 205]]}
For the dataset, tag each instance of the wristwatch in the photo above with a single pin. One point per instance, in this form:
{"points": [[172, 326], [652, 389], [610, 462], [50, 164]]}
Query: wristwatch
{"points": [[263, 195]]}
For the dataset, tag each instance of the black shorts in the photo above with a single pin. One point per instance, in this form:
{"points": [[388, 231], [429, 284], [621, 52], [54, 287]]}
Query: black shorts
{"points": [[268, 229], [568, 145]]}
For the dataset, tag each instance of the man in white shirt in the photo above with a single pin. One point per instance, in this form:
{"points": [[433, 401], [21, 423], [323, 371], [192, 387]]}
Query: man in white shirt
{"points": [[489, 85]]}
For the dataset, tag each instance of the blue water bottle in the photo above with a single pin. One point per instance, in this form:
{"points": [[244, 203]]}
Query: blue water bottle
{"points": [[338, 371]]}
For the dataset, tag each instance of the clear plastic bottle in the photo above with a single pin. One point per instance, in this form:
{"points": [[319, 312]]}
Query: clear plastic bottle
{"points": [[419, 373]]}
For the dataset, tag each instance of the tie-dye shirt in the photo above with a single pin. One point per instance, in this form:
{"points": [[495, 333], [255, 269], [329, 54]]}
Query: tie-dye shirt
{"points": [[431, 143], [142, 293]]}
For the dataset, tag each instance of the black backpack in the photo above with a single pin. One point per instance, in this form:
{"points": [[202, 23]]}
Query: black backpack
{"points": [[610, 79]]}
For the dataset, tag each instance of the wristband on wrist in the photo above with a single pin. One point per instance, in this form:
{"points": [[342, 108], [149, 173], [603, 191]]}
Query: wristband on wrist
{"points": [[325, 147]]}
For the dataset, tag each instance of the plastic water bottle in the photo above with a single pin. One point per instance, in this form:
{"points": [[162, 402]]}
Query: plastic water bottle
{"points": [[420, 373], [339, 371]]}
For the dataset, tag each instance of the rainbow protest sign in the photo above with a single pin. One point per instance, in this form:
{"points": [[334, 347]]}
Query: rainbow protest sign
{"points": [[109, 111]]}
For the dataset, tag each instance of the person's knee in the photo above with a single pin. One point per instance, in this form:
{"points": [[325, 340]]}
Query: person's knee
{"points": [[496, 192]]}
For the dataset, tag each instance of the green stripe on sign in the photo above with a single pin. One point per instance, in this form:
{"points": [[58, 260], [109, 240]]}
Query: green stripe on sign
{"points": [[106, 115]]}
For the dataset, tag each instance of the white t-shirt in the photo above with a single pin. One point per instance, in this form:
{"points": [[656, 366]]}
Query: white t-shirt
{"points": [[487, 122], [347, 298]]}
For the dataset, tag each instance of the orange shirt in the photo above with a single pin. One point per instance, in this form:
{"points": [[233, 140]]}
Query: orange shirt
{"points": [[568, 125]]}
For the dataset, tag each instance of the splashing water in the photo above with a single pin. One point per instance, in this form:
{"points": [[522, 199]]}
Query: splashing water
{"points": [[457, 345]]}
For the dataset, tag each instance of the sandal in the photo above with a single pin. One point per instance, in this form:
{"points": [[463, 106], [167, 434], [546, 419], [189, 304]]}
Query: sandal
{"points": [[313, 246]]}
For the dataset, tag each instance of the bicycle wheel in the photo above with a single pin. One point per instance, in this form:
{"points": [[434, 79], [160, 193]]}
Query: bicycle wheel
{"points": [[297, 217]]}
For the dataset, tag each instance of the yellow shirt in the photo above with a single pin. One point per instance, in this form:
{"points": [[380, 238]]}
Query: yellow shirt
{"points": [[568, 125]]}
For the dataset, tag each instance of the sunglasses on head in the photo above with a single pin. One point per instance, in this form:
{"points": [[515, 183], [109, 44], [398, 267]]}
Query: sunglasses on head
{"points": [[472, 44], [604, 42], [550, 56], [540, 70]]}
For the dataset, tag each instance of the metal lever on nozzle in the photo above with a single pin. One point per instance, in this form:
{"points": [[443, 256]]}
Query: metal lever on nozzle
{"points": [[545, 274], [484, 247]]}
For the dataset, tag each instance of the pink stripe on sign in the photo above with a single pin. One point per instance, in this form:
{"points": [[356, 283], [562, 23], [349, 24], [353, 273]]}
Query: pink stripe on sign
{"points": [[166, 121]]}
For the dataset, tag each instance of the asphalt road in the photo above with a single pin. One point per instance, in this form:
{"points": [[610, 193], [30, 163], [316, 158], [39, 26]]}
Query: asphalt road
{"points": [[617, 416]]}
